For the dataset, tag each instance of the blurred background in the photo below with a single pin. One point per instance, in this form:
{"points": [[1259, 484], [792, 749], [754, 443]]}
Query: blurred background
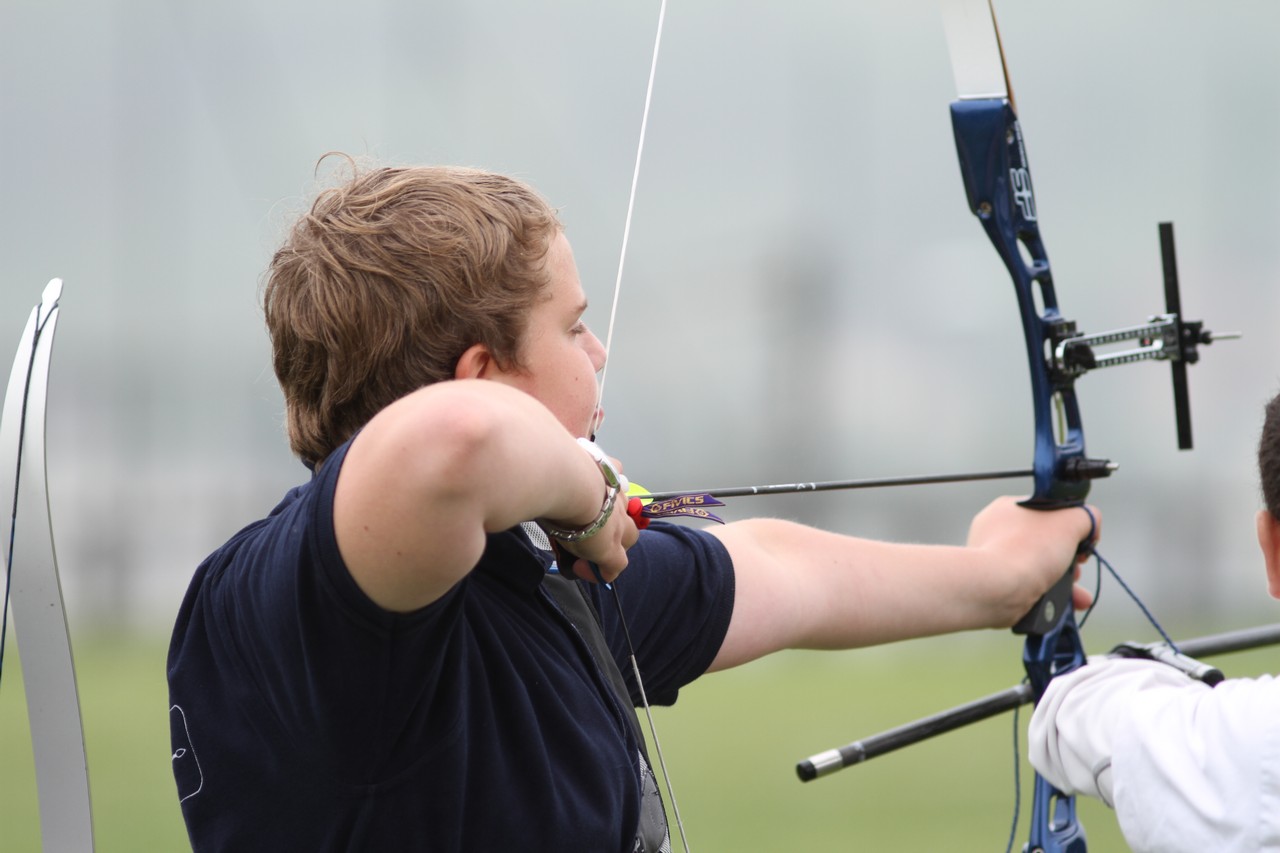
{"points": [[806, 295]]}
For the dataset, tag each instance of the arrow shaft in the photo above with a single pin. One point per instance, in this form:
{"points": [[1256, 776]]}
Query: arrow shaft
{"points": [[834, 485]]}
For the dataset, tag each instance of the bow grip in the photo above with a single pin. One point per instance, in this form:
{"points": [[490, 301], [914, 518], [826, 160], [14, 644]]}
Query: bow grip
{"points": [[1051, 610], [1054, 606]]}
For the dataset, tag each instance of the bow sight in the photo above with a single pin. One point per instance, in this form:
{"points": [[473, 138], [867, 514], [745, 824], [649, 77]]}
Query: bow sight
{"points": [[1165, 337]]}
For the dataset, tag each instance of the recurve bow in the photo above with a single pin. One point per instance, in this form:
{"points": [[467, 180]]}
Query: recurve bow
{"points": [[33, 588], [999, 192]]}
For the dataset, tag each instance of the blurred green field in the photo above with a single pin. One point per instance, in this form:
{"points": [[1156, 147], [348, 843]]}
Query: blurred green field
{"points": [[731, 744]]}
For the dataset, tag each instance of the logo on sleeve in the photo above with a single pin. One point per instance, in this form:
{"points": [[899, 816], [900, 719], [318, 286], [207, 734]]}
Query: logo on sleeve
{"points": [[186, 767]]}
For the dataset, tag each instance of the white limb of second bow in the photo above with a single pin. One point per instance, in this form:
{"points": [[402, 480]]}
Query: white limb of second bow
{"points": [[35, 593]]}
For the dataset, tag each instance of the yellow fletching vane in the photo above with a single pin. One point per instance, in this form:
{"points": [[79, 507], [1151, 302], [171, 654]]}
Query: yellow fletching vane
{"points": [[635, 490]]}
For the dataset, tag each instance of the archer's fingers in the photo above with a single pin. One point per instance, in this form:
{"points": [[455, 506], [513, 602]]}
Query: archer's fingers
{"points": [[1081, 598], [603, 557], [1095, 528]]}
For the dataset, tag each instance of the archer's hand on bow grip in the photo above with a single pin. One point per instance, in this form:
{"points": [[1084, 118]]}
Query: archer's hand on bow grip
{"points": [[1033, 550]]}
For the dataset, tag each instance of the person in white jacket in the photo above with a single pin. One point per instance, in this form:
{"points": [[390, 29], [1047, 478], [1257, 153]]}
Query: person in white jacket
{"points": [[1185, 766]]}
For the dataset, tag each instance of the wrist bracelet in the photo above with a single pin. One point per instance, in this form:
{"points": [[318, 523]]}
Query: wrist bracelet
{"points": [[612, 485]]}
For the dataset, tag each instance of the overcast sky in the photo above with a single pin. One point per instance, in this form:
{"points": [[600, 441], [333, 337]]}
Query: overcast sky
{"points": [[806, 294]]}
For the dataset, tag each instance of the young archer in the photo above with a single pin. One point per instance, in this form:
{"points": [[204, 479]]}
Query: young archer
{"points": [[385, 662]]}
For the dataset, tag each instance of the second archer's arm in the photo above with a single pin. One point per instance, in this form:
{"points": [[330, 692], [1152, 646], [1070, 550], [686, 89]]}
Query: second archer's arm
{"points": [[1186, 767]]}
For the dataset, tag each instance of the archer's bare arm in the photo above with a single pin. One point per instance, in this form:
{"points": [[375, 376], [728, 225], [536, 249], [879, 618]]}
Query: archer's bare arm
{"points": [[798, 587], [435, 471]]}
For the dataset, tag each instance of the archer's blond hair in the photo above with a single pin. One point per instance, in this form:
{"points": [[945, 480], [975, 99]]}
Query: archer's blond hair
{"points": [[386, 281]]}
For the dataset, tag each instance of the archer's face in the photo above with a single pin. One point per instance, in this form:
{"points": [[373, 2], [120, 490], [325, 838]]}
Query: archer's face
{"points": [[559, 356]]}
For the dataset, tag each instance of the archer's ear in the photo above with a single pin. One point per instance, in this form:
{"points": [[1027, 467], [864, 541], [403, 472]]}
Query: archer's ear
{"points": [[1269, 542], [475, 363]]}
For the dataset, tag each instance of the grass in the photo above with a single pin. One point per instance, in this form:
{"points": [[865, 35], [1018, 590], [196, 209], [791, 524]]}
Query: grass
{"points": [[125, 709], [731, 745]]}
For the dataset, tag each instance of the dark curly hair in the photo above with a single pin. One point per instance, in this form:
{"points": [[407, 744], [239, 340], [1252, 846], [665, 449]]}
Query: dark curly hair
{"points": [[1269, 457]]}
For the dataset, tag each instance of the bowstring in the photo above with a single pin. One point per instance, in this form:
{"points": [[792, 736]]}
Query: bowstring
{"points": [[631, 205], [604, 374]]}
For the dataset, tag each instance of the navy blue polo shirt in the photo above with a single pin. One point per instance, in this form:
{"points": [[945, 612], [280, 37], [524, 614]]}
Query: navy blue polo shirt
{"points": [[305, 717]]}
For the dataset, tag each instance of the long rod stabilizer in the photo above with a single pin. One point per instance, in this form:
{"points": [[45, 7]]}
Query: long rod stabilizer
{"points": [[828, 762]]}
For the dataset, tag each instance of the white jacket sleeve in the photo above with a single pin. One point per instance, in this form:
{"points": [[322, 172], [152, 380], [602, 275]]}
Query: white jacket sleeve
{"points": [[1186, 767]]}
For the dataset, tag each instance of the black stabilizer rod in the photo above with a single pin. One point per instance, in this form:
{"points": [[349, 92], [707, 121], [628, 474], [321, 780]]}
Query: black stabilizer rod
{"points": [[826, 763], [859, 751]]}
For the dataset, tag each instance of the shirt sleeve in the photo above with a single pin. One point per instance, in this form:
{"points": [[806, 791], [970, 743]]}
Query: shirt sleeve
{"points": [[676, 597], [1186, 766]]}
